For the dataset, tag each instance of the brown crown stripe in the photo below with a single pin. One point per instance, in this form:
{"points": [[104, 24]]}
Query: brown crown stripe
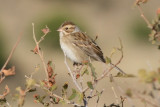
{"points": [[67, 23]]}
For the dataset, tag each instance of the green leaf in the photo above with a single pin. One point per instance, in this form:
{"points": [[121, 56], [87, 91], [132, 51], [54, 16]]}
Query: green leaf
{"points": [[108, 60], [74, 94], [30, 82], [89, 83], [94, 74], [41, 83], [85, 72], [113, 52], [18, 89], [129, 92], [119, 74], [80, 97], [62, 101], [54, 87]]}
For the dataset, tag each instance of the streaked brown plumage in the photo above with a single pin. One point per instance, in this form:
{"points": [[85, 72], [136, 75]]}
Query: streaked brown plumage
{"points": [[77, 45]]}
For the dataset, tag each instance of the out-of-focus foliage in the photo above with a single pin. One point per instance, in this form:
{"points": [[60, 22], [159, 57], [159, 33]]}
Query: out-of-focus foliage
{"points": [[139, 31], [149, 76], [154, 36]]}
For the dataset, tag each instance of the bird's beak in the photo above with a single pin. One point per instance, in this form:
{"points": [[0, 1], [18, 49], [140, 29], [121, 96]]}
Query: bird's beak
{"points": [[59, 30]]}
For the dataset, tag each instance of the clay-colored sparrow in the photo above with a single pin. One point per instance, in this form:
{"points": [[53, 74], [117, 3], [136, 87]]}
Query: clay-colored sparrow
{"points": [[77, 46]]}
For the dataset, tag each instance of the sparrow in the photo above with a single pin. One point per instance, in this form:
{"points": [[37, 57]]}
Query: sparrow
{"points": [[78, 46]]}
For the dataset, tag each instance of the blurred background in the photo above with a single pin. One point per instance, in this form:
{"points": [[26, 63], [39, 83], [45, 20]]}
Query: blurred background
{"points": [[109, 19]]}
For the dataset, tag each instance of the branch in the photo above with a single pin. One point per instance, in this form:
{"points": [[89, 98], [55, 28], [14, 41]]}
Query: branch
{"points": [[73, 78], [38, 50], [5, 93], [147, 101], [54, 95], [8, 59], [110, 69], [12, 51], [144, 18]]}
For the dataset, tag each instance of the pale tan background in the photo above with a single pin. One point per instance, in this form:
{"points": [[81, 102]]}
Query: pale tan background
{"points": [[109, 19]]}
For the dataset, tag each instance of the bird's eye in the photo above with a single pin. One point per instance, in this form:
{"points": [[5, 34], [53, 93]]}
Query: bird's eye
{"points": [[66, 28]]}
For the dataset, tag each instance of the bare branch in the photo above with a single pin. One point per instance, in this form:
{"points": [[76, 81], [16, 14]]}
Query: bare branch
{"points": [[5, 93], [144, 18], [146, 100], [54, 95], [73, 78], [39, 52], [11, 53]]}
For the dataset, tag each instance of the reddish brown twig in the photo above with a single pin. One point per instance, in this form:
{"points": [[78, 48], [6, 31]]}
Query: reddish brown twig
{"points": [[143, 16], [8, 59], [5, 93], [39, 52]]}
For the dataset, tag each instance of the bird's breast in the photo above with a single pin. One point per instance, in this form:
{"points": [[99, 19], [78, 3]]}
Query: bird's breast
{"points": [[71, 51]]}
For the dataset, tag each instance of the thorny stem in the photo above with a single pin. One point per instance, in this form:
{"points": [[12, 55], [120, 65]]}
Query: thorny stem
{"points": [[73, 78], [39, 52]]}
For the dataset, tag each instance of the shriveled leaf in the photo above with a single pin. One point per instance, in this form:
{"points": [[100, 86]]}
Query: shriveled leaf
{"points": [[65, 86], [32, 90], [89, 84], [77, 76], [74, 94], [9, 72], [3, 101]]}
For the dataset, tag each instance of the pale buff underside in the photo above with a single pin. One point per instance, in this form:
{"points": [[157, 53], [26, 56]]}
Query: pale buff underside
{"points": [[71, 51]]}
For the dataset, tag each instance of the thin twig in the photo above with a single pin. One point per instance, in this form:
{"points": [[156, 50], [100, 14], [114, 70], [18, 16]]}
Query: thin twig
{"points": [[9, 57], [147, 101], [45, 33], [73, 78], [108, 71], [99, 98], [115, 94], [39, 52], [11, 53], [57, 96], [142, 15]]}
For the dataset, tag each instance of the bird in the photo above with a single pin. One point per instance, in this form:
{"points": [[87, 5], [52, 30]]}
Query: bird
{"points": [[78, 46]]}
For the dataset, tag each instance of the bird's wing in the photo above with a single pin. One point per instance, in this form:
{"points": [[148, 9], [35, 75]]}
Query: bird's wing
{"points": [[87, 45]]}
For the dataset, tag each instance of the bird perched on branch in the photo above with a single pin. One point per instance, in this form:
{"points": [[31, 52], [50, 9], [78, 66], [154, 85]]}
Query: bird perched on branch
{"points": [[77, 46]]}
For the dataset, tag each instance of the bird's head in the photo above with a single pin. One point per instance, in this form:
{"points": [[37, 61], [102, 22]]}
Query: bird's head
{"points": [[68, 28]]}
